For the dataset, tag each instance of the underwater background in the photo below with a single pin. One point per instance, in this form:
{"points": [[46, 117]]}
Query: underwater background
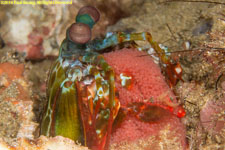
{"points": [[194, 31]]}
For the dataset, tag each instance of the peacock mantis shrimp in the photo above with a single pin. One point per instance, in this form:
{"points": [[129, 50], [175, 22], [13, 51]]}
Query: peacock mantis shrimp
{"points": [[82, 104]]}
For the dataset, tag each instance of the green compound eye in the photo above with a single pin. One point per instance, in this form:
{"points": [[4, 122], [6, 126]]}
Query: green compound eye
{"points": [[88, 15], [86, 19]]}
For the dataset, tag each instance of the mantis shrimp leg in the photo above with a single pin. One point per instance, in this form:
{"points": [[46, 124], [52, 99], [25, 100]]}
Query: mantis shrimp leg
{"points": [[172, 70], [97, 102]]}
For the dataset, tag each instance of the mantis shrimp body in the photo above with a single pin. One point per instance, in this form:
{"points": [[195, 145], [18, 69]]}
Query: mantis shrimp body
{"points": [[82, 104]]}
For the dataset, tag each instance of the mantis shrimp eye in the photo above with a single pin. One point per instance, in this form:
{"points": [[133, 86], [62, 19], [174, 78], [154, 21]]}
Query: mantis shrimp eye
{"points": [[79, 33], [88, 15]]}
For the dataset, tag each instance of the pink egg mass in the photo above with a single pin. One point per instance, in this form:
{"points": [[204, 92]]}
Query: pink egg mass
{"points": [[145, 84]]}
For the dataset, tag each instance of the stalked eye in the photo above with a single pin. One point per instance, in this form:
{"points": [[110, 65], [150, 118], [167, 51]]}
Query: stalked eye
{"points": [[88, 15], [79, 33]]}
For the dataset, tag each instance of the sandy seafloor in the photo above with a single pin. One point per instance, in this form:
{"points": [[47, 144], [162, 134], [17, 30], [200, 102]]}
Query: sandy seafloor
{"points": [[196, 29]]}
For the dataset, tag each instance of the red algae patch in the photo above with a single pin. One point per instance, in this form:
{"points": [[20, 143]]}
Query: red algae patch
{"points": [[13, 71], [147, 85]]}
